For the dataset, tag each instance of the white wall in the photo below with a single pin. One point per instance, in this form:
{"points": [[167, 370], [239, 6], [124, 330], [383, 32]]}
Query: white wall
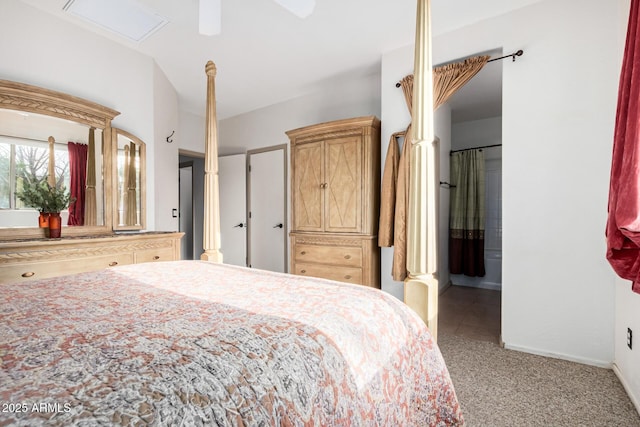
{"points": [[349, 96], [473, 133], [164, 184], [45, 51], [190, 135], [627, 361], [558, 105]]}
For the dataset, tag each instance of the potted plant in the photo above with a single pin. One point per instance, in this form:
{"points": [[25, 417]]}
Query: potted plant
{"points": [[50, 201], [56, 199], [33, 196]]}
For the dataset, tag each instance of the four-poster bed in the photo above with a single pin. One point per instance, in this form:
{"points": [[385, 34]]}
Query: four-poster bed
{"points": [[200, 342]]}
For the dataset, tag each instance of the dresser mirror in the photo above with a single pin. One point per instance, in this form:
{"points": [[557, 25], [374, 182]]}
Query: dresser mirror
{"points": [[36, 122], [129, 153]]}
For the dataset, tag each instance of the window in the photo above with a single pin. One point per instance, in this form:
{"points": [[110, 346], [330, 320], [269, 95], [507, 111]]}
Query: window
{"points": [[26, 161]]}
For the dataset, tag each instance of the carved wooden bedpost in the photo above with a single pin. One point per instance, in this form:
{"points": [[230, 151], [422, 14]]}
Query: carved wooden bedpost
{"points": [[421, 287], [211, 238]]}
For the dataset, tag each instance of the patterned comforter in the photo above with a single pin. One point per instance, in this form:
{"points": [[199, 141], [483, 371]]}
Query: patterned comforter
{"points": [[197, 343]]}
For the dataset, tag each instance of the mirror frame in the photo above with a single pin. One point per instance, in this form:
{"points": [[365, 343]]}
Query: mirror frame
{"points": [[143, 179], [34, 99]]}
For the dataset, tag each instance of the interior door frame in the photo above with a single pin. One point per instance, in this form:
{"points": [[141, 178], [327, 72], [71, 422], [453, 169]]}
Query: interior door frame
{"points": [[282, 147]]}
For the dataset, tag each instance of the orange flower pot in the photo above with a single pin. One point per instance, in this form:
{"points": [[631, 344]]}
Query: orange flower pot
{"points": [[55, 225], [43, 220]]}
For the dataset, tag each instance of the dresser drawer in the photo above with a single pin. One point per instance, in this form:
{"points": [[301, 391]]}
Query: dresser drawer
{"points": [[341, 274], [31, 271], [335, 255], [153, 255]]}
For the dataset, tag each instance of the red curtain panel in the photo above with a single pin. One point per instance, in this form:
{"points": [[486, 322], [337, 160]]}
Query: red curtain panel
{"points": [[623, 222], [78, 173]]}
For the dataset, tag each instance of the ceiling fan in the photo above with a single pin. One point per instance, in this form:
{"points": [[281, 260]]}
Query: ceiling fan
{"points": [[210, 20]]}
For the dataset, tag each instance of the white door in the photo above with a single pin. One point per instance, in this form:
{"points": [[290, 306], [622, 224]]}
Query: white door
{"points": [[233, 223], [268, 208]]}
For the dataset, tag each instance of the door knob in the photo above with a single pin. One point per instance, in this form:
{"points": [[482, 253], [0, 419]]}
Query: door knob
{"points": [[239, 225], [278, 225]]}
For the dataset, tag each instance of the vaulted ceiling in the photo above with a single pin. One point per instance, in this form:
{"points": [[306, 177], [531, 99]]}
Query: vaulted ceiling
{"points": [[266, 55]]}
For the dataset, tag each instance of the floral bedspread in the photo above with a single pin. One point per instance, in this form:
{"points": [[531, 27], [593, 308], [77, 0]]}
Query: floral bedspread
{"points": [[197, 343]]}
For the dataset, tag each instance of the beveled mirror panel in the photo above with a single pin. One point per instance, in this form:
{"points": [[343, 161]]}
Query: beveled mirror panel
{"points": [[130, 183], [36, 124], [77, 167]]}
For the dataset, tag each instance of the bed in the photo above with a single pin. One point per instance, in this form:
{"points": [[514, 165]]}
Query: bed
{"points": [[201, 343]]}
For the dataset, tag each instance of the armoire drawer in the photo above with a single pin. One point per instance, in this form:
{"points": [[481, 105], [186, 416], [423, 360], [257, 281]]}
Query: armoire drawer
{"points": [[335, 255], [331, 272], [40, 270]]}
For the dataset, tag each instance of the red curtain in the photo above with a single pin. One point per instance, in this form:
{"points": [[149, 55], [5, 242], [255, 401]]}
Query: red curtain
{"points": [[78, 173], [623, 222]]}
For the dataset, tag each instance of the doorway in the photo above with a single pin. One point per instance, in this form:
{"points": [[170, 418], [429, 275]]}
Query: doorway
{"points": [[476, 121], [186, 214], [192, 196]]}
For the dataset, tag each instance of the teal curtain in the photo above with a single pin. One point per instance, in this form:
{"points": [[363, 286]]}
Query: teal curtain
{"points": [[467, 213]]}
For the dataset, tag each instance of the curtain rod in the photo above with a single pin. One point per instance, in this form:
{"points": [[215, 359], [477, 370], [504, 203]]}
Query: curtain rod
{"points": [[511, 55], [475, 148]]}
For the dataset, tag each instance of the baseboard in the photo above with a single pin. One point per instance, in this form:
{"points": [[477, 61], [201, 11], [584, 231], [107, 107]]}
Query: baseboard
{"points": [[591, 362], [489, 286], [633, 398], [445, 287]]}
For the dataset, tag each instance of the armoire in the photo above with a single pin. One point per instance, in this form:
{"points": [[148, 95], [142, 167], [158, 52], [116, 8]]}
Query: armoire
{"points": [[335, 191]]}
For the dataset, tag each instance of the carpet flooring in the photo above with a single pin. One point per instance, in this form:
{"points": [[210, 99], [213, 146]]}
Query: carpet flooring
{"points": [[499, 387]]}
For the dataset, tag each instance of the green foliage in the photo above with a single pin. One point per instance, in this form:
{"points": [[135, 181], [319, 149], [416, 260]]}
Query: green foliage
{"points": [[42, 196]]}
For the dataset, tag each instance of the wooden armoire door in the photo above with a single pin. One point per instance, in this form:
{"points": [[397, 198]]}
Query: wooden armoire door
{"points": [[308, 180], [343, 189]]}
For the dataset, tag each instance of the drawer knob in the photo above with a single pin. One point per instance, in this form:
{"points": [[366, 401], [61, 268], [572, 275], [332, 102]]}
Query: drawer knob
{"points": [[348, 276], [156, 257], [113, 263], [347, 257], [303, 253], [303, 271], [28, 274]]}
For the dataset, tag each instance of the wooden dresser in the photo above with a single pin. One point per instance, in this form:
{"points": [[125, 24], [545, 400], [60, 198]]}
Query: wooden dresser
{"points": [[31, 259], [335, 191]]}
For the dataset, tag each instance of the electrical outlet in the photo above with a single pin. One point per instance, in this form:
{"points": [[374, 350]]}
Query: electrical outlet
{"points": [[629, 338]]}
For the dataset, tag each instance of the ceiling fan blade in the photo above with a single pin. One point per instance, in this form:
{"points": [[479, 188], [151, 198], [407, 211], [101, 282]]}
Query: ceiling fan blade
{"points": [[210, 17], [300, 8]]}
